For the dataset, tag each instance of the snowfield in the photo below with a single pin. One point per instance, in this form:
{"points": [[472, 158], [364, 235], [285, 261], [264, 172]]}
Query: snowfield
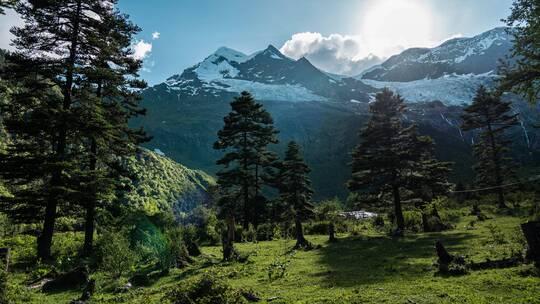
{"points": [[449, 89]]}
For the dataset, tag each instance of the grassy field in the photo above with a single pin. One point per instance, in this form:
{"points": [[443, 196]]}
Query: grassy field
{"points": [[368, 268]]}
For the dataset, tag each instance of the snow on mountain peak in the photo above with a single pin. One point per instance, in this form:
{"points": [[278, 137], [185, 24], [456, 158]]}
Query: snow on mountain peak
{"points": [[230, 54], [272, 52]]}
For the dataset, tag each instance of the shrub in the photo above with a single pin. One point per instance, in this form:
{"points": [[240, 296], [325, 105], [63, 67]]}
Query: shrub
{"points": [[175, 253], [268, 232], [189, 237], [316, 228], [238, 233], [114, 254], [278, 268], [413, 220], [210, 289], [206, 221], [249, 235]]}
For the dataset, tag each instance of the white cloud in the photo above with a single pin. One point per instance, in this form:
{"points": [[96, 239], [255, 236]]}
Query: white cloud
{"points": [[336, 53], [141, 49], [155, 35]]}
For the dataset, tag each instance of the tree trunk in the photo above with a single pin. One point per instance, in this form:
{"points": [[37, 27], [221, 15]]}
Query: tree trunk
{"points": [[397, 210], [90, 206], [497, 168], [89, 225], [44, 240], [331, 232], [245, 218], [531, 231], [301, 241], [229, 252]]}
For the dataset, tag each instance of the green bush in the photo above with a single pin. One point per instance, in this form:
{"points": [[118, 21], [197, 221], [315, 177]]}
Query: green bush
{"points": [[210, 289], [206, 221], [412, 220], [268, 232], [249, 235], [115, 255], [316, 228], [238, 233], [189, 237], [177, 254]]}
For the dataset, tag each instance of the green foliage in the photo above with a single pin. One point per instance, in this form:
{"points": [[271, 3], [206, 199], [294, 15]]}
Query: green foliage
{"points": [[413, 220], [523, 76], [247, 164], [115, 255], [489, 114], [4, 293], [268, 232], [163, 185], [206, 221], [249, 235], [210, 289], [392, 157], [277, 269], [189, 237]]}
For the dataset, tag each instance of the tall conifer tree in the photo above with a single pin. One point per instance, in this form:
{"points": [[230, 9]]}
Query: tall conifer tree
{"points": [[248, 130], [392, 157], [295, 190], [112, 99], [489, 114]]}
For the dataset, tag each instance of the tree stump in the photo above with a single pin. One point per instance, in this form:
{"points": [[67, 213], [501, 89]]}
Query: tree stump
{"points": [[445, 258], [531, 231], [5, 257]]}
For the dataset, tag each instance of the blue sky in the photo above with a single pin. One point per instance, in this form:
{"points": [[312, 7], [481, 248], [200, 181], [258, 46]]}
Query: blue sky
{"points": [[336, 35]]}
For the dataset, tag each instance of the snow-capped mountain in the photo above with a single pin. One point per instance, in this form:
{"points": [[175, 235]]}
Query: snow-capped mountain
{"points": [[323, 112], [267, 74], [449, 73], [476, 55]]}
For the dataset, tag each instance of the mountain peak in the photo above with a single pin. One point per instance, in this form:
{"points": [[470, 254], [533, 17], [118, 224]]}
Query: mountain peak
{"points": [[272, 52], [230, 54]]}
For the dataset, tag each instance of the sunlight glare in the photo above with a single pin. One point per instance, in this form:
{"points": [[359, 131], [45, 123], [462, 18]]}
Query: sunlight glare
{"points": [[393, 24]]}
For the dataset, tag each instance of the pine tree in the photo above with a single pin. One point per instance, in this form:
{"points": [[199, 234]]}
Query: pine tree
{"points": [[112, 99], [58, 43], [490, 114], [248, 130], [295, 190], [30, 116], [6, 4], [524, 77], [392, 157]]}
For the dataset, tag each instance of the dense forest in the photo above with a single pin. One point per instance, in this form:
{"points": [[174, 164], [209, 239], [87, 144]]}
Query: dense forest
{"points": [[89, 214]]}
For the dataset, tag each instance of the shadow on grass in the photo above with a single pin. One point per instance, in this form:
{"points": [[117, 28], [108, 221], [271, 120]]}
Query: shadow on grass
{"points": [[362, 260]]}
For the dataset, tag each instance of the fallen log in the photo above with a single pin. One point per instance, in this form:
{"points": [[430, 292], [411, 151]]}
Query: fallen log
{"points": [[451, 264], [504, 263], [69, 280]]}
